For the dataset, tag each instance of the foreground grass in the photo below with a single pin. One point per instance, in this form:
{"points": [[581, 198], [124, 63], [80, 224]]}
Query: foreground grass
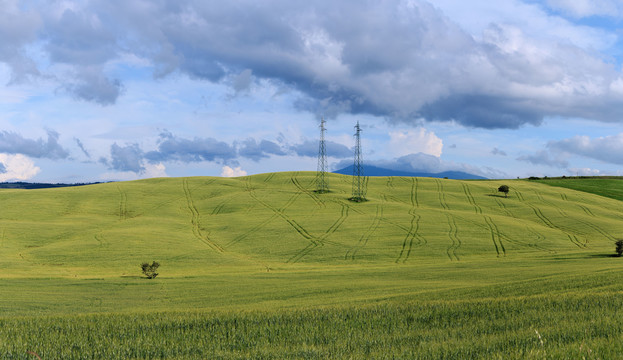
{"points": [[491, 323]]}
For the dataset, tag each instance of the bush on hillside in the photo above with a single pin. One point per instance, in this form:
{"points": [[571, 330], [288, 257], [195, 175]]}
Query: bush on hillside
{"points": [[505, 189], [619, 247], [150, 270]]}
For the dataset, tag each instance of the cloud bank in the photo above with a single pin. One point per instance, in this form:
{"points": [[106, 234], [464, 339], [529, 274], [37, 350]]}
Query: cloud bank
{"points": [[398, 59]]}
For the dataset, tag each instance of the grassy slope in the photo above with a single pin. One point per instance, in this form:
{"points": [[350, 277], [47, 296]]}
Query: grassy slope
{"points": [[439, 249], [269, 239], [611, 187]]}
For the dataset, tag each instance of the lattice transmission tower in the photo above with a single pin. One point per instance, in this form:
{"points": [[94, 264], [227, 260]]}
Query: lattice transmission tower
{"points": [[359, 180], [322, 181]]}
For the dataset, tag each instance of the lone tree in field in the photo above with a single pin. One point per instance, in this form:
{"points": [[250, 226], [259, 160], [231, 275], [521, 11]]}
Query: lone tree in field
{"points": [[150, 270], [504, 189], [619, 247]]}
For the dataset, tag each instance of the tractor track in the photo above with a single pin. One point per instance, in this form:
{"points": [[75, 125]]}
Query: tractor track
{"points": [[470, 198], [123, 204], [414, 225], [196, 227], [453, 235], [363, 240], [442, 195], [495, 233], [307, 192]]}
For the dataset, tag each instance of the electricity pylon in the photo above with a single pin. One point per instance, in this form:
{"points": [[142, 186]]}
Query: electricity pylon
{"points": [[359, 184], [322, 181]]}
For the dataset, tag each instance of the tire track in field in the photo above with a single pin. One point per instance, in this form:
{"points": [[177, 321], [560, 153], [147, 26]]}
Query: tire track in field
{"points": [[539, 214], [441, 195], [123, 204], [307, 192], [218, 208], [453, 235], [412, 232], [503, 207], [574, 239], [280, 212], [495, 234], [196, 228], [322, 239], [390, 182], [269, 177], [363, 240], [414, 199], [470, 198]]}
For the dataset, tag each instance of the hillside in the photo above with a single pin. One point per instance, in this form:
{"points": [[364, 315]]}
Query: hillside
{"points": [[276, 219], [263, 267]]}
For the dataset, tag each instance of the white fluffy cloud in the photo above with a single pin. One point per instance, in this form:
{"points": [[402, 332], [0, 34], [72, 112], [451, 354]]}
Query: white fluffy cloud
{"points": [[232, 172], [413, 141], [17, 167]]}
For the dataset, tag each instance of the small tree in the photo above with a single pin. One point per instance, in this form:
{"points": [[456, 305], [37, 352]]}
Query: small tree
{"points": [[504, 189], [150, 270], [619, 247]]}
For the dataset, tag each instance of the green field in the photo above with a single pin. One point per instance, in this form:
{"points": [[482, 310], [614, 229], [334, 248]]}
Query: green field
{"points": [[263, 267]]}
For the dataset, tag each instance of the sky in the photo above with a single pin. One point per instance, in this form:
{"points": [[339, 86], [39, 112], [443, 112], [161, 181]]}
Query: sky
{"points": [[121, 90]]}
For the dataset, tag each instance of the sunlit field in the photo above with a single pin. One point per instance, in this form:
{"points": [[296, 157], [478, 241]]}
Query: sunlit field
{"points": [[264, 267]]}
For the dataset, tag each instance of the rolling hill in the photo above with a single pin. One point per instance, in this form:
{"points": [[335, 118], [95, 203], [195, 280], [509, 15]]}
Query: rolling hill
{"points": [[426, 267]]}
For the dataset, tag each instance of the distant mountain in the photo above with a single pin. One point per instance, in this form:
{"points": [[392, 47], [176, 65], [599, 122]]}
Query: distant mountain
{"points": [[377, 171]]}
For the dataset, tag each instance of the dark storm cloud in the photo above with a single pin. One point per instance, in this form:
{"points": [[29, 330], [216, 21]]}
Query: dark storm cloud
{"points": [[400, 60], [255, 151], [173, 148], [310, 149], [13, 143], [126, 158]]}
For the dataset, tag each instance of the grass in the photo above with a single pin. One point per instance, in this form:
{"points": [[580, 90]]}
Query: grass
{"points": [[263, 267], [607, 186]]}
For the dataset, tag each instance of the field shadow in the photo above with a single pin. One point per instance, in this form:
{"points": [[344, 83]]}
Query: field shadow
{"points": [[603, 256], [133, 277], [499, 196]]}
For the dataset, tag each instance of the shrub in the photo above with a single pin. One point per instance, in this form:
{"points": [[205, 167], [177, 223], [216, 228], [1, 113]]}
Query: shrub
{"points": [[504, 189], [150, 270], [619, 247]]}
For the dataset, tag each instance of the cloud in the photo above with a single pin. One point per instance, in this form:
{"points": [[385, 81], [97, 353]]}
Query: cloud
{"points": [[255, 151], [310, 148], [154, 170], [232, 172], [400, 60], [17, 167], [126, 158], [586, 8], [544, 157], [92, 85], [81, 146], [173, 148], [418, 140], [13, 143], [608, 149], [497, 151]]}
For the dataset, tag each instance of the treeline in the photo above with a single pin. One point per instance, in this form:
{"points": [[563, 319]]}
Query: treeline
{"points": [[27, 185]]}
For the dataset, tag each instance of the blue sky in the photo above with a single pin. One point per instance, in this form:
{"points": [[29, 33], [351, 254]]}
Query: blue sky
{"points": [[122, 90]]}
